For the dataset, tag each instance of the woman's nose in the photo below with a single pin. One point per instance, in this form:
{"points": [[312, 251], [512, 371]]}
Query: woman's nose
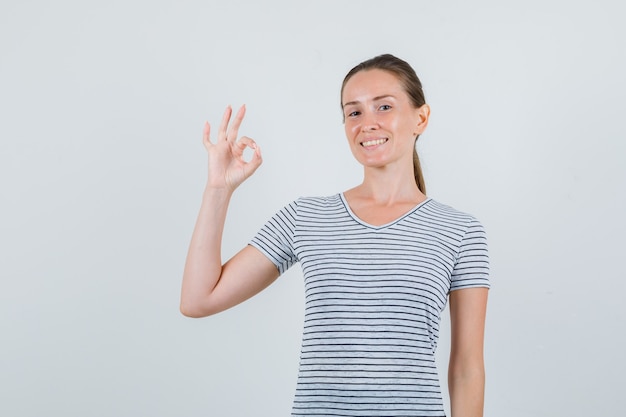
{"points": [[370, 122]]}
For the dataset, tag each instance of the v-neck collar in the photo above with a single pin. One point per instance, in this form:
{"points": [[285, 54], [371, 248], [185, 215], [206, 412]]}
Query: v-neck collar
{"points": [[382, 226]]}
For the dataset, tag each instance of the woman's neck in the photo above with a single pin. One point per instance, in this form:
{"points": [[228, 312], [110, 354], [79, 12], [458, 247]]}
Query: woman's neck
{"points": [[383, 186], [379, 200]]}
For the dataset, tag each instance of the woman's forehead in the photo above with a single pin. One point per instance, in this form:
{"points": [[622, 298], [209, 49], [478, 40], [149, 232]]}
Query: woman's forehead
{"points": [[372, 84]]}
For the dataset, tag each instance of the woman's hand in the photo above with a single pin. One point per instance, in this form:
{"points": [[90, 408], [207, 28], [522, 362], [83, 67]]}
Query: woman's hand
{"points": [[227, 167]]}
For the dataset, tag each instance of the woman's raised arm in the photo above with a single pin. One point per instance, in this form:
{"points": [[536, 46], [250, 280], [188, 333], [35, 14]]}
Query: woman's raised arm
{"points": [[208, 285]]}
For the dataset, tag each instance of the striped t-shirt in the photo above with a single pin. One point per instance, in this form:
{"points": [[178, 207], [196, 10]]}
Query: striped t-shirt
{"points": [[373, 299]]}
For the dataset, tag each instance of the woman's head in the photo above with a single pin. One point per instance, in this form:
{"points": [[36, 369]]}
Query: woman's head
{"points": [[409, 82]]}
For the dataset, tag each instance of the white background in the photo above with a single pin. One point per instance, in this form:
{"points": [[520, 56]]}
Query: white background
{"points": [[102, 169]]}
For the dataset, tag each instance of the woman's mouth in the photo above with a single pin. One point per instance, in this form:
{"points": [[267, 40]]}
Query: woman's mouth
{"points": [[373, 142]]}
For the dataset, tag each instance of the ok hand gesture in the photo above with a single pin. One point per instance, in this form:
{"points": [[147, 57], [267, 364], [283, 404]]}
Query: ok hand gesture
{"points": [[227, 166]]}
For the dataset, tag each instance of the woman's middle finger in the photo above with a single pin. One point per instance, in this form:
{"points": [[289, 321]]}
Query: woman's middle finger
{"points": [[233, 131]]}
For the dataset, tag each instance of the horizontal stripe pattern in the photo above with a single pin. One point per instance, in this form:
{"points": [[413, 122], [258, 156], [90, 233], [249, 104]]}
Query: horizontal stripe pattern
{"points": [[373, 300]]}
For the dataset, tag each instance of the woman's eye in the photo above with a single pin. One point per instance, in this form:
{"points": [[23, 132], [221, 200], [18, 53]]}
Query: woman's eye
{"points": [[354, 113], [385, 107]]}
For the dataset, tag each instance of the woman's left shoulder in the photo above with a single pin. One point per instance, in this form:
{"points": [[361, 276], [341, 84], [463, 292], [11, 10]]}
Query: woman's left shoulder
{"points": [[449, 213]]}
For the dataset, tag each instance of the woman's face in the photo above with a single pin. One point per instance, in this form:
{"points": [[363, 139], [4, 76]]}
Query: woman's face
{"points": [[381, 123]]}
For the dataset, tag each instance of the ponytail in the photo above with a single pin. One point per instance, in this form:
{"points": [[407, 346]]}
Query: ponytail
{"points": [[417, 171]]}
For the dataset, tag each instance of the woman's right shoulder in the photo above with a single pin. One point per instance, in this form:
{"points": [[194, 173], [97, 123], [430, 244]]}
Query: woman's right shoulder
{"points": [[313, 204], [325, 201]]}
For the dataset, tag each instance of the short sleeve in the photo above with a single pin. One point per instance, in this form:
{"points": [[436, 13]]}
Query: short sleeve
{"points": [[471, 268], [275, 239]]}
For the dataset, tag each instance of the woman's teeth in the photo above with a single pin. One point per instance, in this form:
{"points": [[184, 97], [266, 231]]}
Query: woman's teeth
{"points": [[374, 142]]}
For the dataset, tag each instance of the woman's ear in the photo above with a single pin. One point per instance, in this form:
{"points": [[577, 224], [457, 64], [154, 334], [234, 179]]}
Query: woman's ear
{"points": [[423, 114]]}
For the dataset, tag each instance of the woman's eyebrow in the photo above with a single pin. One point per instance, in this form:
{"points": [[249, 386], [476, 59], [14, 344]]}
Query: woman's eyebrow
{"points": [[350, 103]]}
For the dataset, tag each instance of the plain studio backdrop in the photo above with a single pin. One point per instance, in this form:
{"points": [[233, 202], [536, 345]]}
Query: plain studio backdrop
{"points": [[102, 169]]}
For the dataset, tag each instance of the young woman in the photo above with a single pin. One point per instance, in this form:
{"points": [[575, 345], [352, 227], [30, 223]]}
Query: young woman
{"points": [[380, 261]]}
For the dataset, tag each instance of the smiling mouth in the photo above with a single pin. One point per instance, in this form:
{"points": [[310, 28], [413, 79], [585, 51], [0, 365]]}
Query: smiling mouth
{"points": [[374, 142]]}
